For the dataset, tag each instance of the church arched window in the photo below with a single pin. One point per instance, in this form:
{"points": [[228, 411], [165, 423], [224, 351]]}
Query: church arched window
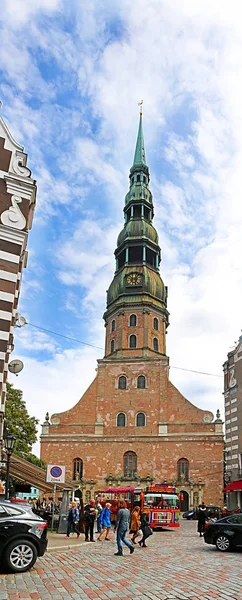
{"points": [[183, 469], [130, 464], [155, 344], [112, 346], [140, 420], [113, 325], [132, 341], [77, 469], [155, 324], [132, 321], [121, 420], [122, 383], [141, 381]]}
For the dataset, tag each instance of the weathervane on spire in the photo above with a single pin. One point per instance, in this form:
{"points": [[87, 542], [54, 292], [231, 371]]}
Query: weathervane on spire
{"points": [[141, 107]]}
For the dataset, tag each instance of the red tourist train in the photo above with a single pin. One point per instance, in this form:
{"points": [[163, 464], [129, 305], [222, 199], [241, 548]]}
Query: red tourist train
{"points": [[161, 501]]}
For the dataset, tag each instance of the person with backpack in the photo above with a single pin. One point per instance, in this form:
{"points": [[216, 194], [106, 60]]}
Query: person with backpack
{"points": [[72, 521]]}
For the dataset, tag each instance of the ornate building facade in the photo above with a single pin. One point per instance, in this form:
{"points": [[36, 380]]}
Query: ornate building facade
{"points": [[233, 426], [17, 203], [132, 425]]}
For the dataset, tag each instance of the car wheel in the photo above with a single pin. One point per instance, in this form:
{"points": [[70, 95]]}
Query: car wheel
{"points": [[20, 556], [223, 543]]}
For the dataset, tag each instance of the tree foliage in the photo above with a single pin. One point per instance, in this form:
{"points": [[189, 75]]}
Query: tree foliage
{"points": [[19, 423]]}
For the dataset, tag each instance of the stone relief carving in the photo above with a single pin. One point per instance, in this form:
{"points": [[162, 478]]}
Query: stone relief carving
{"points": [[232, 380], [12, 217], [19, 165]]}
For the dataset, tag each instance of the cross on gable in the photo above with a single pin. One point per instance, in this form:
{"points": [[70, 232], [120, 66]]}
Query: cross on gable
{"points": [[5, 156]]}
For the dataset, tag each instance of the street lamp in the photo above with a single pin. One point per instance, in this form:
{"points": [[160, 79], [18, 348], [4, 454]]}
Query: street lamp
{"points": [[9, 441]]}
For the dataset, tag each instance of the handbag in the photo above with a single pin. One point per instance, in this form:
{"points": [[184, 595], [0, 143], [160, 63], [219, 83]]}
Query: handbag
{"points": [[148, 531], [140, 533]]}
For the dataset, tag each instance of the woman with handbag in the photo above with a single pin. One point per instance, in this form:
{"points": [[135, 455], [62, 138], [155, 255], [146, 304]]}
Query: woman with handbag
{"points": [[135, 523], [145, 528], [72, 521]]}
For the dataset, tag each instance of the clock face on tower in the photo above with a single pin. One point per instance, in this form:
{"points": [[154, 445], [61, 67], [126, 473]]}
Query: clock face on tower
{"points": [[134, 279]]}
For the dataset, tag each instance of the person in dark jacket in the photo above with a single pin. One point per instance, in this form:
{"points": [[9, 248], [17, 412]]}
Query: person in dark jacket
{"points": [[89, 518], [72, 521], [122, 526], [201, 517], [144, 523]]}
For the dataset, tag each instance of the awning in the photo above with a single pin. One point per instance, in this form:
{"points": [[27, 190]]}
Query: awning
{"points": [[22, 470], [234, 486]]}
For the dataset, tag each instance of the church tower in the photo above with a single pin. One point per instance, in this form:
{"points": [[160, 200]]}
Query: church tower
{"points": [[132, 426], [136, 317]]}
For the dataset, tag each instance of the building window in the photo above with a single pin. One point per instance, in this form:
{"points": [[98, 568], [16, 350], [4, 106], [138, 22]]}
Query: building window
{"points": [[155, 324], [77, 469], [132, 321], [130, 464], [121, 420], [183, 469], [155, 344], [113, 325], [141, 382], [138, 178], [122, 383], [132, 341], [112, 346], [140, 420]]}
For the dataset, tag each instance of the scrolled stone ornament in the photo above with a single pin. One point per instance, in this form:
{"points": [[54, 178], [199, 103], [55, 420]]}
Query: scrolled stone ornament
{"points": [[12, 217]]}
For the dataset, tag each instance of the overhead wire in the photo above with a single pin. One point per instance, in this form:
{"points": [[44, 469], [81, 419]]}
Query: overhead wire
{"points": [[67, 337]]}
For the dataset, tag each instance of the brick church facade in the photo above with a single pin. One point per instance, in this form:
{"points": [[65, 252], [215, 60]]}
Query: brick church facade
{"points": [[132, 426]]}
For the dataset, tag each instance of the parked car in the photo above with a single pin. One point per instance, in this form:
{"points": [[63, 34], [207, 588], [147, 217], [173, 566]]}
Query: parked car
{"points": [[189, 514], [225, 533], [23, 537]]}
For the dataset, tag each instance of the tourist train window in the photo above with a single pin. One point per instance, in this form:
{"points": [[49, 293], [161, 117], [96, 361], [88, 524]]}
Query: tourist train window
{"points": [[77, 469], [113, 325], [112, 346], [155, 344], [130, 464], [183, 469], [121, 420], [141, 382], [122, 383], [155, 324], [140, 420], [132, 341], [132, 321]]}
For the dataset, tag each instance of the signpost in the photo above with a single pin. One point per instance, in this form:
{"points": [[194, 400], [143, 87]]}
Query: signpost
{"points": [[55, 474]]}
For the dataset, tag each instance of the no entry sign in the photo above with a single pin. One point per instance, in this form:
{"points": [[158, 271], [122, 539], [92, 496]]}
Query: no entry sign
{"points": [[55, 474]]}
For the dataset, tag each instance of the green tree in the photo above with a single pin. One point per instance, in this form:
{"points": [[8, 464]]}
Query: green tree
{"points": [[21, 425]]}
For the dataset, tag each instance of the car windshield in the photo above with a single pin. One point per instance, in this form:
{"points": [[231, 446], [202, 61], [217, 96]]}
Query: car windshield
{"points": [[161, 500]]}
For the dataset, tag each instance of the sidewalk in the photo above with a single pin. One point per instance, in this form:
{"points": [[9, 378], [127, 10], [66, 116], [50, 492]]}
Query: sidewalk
{"points": [[56, 541]]}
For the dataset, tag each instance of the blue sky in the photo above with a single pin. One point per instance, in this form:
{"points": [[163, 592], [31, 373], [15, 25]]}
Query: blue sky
{"points": [[71, 77]]}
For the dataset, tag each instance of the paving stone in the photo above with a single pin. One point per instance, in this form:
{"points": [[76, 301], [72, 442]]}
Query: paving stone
{"points": [[177, 565]]}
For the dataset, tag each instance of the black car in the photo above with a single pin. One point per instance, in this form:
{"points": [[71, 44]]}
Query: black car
{"points": [[23, 537], [225, 533], [189, 514]]}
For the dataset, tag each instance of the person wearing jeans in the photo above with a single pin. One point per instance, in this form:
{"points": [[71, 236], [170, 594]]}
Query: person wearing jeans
{"points": [[122, 526]]}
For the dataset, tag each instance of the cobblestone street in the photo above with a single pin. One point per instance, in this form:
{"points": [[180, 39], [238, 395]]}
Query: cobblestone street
{"points": [[176, 565]]}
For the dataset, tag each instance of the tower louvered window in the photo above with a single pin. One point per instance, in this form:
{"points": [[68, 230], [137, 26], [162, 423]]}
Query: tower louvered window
{"points": [[112, 346], [132, 341], [155, 324], [133, 321], [141, 382], [121, 420], [140, 419], [155, 344], [122, 383]]}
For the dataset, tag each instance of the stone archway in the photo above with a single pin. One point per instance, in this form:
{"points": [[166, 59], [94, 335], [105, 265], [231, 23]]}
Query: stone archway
{"points": [[185, 501]]}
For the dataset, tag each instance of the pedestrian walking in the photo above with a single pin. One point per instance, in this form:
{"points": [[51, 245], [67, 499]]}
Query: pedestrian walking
{"points": [[99, 509], [89, 518], [72, 521], [135, 523], [202, 515], [105, 521], [145, 528], [122, 526]]}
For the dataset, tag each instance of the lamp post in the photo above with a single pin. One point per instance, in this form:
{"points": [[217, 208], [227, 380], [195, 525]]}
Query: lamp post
{"points": [[9, 441]]}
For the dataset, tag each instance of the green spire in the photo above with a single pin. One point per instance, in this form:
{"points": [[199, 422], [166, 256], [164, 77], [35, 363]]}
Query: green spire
{"points": [[139, 155]]}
